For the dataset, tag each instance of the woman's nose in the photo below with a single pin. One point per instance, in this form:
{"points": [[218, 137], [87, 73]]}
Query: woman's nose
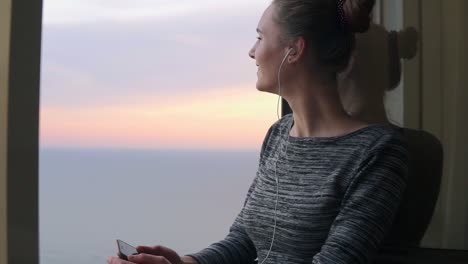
{"points": [[252, 53]]}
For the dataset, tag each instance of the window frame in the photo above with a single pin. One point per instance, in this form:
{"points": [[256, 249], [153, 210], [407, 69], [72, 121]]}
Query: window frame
{"points": [[20, 51]]}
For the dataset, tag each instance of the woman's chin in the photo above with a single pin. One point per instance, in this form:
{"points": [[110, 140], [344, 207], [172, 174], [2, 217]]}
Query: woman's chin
{"points": [[265, 89], [261, 87]]}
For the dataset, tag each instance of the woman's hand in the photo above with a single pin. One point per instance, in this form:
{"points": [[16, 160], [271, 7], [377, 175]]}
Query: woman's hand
{"points": [[150, 255], [140, 259]]}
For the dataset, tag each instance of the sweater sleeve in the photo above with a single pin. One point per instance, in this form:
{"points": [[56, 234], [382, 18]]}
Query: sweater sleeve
{"points": [[368, 207], [236, 247]]}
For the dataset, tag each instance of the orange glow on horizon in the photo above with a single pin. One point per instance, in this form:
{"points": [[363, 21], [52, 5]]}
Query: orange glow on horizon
{"points": [[228, 118]]}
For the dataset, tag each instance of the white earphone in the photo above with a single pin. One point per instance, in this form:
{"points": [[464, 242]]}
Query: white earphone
{"points": [[279, 81], [276, 163]]}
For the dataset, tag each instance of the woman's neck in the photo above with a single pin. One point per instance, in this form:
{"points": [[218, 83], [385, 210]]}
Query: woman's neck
{"points": [[364, 102], [317, 109]]}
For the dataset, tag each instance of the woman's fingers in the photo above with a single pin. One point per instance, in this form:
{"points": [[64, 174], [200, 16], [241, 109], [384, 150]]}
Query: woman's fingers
{"points": [[163, 251], [153, 250], [116, 260], [156, 250], [148, 259]]}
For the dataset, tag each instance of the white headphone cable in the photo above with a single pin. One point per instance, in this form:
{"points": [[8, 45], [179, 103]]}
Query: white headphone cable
{"points": [[279, 82], [277, 158]]}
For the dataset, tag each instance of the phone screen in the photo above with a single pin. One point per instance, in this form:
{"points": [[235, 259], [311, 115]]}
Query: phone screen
{"points": [[125, 249]]}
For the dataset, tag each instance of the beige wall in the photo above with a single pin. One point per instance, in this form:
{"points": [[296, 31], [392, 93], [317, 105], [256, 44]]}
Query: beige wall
{"points": [[412, 69], [431, 103], [392, 19], [5, 9], [441, 75], [454, 122], [389, 13], [435, 100], [464, 100]]}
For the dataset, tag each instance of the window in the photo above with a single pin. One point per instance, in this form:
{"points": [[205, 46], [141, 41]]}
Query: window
{"points": [[150, 123], [22, 200]]}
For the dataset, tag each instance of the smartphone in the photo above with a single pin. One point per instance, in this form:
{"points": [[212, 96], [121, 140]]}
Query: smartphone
{"points": [[125, 250]]}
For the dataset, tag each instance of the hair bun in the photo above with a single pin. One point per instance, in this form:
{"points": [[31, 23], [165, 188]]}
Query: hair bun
{"points": [[357, 14]]}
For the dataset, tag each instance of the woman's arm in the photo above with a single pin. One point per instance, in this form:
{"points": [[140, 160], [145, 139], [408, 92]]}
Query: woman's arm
{"points": [[368, 208], [237, 247], [188, 260]]}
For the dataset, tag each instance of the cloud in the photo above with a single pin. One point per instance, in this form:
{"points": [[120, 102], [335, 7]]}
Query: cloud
{"points": [[101, 62], [233, 118], [126, 74], [68, 12]]}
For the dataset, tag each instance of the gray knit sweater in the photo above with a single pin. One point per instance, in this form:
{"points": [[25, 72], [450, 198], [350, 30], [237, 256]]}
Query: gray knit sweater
{"points": [[337, 199]]}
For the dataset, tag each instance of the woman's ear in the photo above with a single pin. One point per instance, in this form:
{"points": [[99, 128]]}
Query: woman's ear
{"points": [[297, 47]]}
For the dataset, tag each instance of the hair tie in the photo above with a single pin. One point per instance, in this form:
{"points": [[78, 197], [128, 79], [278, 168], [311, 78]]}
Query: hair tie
{"points": [[341, 14]]}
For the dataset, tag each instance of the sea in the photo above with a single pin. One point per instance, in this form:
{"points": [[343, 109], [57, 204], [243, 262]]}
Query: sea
{"points": [[182, 199]]}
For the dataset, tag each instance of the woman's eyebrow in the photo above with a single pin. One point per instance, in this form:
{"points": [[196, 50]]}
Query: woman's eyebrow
{"points": [[259, 31]]}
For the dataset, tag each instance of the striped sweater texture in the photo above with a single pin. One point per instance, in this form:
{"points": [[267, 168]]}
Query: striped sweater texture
{"points": [[337, 199]]}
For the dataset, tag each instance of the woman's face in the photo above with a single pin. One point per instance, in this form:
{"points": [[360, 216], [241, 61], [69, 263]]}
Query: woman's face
{"points": [[268, 52]]}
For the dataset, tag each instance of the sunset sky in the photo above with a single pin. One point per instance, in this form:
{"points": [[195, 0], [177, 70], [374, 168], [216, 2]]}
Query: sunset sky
{"points": [[152, 74]]}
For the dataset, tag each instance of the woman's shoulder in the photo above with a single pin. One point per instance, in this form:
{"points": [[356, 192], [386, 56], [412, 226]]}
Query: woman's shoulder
{"points": [[388, 141], [283, 122], [386, 134], [280, 126], [375, 135], [369, 137], [375, 140]]}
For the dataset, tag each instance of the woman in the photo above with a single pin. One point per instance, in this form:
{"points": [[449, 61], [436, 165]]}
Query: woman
{"points": [[328, 185]]}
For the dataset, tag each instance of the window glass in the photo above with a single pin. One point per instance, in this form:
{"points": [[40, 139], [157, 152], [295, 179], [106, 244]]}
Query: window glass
{"points": [[151, 124]]}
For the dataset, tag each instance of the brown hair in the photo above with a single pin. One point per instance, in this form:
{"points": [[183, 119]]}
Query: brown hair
{"points": [[319, 22]]}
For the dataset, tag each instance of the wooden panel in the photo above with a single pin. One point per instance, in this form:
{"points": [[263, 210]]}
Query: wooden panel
{"points": [[23, 126], [431, 67], [5, 9], [464, 99], [431, 102], [444, 113], [455, 127], [412, 69], [450, 78], [394, 99]]}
